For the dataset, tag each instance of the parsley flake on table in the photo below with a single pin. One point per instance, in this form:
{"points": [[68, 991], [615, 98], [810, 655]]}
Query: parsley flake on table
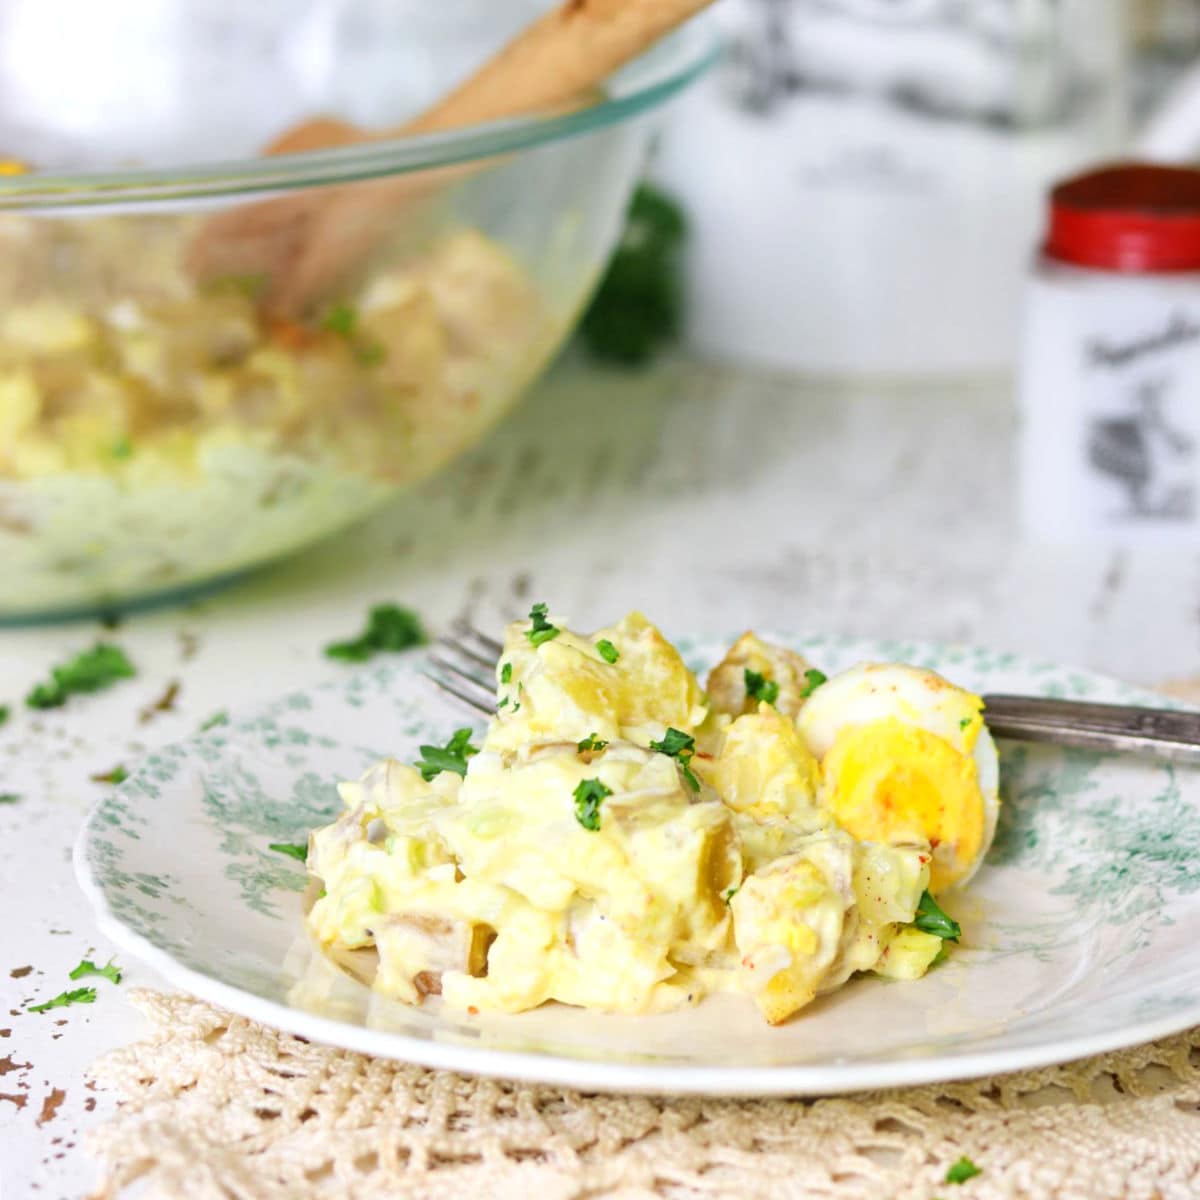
{"points": [[9, 798], [118, 774], [506, 673], [540, 630], [607, 651], [759, 687], [296, 850], [588, 796], [931, 919], [812, 680], [89, 671], [220, 717], [679, 746], [83, 995], [450, 757], [962, 1170], [591, 743], [109, 971], [389, 628]]}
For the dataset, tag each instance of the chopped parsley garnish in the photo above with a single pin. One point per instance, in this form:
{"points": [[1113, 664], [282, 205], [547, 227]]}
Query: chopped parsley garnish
{"points": [[588, 796], [220, 717], [296, 850], [90, 671], [5, 713], [450, 757], [812, 680], [9, 798], [965, 722], [931, 919], [503, 704], [341, 318], [370, 354], [83, 995], [607, 650], [110, 970], [118, 774], [251, 285], [675, 742], [592, 743], [638, 306], [759, 687], [540, 630], [389, 628], [962, 1170], [506, 673], [729, 895], [121, 448], [681, 747]]}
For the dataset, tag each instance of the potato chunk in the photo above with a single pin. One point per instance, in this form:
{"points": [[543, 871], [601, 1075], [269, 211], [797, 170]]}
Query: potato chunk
{"points": [[763, 767], [416, 949], [778, 665], [788, 921]]}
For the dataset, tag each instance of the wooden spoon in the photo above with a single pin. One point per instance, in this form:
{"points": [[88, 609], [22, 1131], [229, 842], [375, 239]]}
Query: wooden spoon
{"points": [[305, 243]]}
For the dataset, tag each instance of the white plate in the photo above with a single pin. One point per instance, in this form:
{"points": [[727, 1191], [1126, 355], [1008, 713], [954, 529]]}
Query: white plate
{"points": [[1079, 932]]}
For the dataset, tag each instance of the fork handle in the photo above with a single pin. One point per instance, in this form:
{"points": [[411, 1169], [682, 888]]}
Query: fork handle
{"points": [[1160, 732]]}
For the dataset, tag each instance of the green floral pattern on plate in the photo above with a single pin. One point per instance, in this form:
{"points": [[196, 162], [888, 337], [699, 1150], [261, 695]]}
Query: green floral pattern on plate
{"points": [[1078, 931]]}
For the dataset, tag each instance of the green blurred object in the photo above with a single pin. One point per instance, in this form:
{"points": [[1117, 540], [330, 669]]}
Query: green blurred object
{"points": [[638, 307], [90, 671], [389, 627]]}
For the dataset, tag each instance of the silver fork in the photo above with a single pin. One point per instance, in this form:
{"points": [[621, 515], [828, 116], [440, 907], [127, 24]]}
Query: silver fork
{"points": [[464, 663]]}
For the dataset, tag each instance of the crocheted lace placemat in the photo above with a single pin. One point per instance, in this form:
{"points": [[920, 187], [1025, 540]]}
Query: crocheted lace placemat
{"points": [[215, 1107]]}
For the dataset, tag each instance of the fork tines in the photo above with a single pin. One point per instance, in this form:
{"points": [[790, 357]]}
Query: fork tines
{"points": [[467, 634], [463, 662]]}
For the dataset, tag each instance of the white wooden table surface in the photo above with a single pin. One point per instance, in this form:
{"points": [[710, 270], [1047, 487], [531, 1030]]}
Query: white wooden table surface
{"points": [[706, 498]]}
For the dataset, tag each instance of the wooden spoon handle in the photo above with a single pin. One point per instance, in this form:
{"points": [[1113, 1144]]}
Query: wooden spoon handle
{"points": [[569, 50], [555, 63], [304, 244]]}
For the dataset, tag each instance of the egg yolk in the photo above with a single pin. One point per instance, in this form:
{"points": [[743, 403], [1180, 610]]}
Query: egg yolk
{"points": [[891, 782]]}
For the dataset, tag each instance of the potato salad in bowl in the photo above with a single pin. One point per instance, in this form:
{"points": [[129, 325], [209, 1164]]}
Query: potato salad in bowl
{"points": [[624, 839], [171, 414]]}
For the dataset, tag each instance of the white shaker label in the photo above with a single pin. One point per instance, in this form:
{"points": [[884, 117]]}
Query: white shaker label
{"points": [[1110, 400], [1141, 431]]}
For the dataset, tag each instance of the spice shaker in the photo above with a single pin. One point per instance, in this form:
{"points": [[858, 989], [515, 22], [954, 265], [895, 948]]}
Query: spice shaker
{"points": [[1109, 381]]}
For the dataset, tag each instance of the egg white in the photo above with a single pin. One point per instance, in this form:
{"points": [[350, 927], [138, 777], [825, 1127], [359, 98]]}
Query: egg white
{"points": [[870, 692]]}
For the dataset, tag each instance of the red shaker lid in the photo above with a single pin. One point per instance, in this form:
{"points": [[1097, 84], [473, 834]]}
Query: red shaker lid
{"points": [[1135, 217]]}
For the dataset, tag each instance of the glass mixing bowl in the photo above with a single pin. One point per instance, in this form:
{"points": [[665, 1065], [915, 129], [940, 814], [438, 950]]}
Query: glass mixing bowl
{"points": [[157, 430]]}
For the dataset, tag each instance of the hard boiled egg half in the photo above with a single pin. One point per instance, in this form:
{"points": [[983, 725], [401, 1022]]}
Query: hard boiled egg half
{"points": [[905, 757]]}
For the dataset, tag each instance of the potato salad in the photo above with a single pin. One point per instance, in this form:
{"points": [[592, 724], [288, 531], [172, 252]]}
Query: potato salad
{"points": [[156, 430], [625, 839]]}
